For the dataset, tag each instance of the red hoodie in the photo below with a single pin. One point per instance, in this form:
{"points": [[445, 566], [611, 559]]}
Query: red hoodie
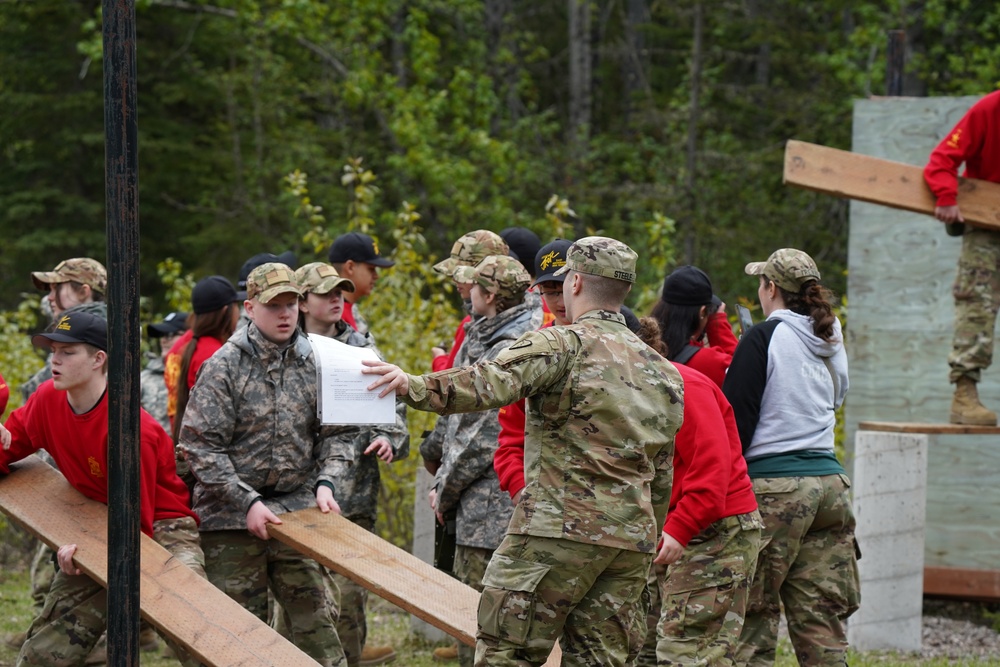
{"points": [[974, 141], [714, 360]]}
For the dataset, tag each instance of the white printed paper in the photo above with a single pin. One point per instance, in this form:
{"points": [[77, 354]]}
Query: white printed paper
{"points": [[343, 390]]}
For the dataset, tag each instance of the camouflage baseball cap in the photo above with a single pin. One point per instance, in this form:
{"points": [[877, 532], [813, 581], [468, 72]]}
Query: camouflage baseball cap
{"points": [[601, 256], [470, 249], [83, 270], [321, 278], [788, 268], [269, 280], [497, 274]]}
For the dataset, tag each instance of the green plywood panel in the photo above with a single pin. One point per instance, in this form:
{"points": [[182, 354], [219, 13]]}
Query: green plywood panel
{"points": [[901, 268]]}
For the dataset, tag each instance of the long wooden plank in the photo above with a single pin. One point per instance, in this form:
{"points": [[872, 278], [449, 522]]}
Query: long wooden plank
{"points": [[962, 583], [386, 570], [916, 427], [187, 608], [896, 184]]}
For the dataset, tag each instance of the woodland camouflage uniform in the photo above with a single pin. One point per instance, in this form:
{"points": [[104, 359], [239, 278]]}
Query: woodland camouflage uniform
{"points": [[602, 412], [466, 480], [251, 432], [153, 390]]}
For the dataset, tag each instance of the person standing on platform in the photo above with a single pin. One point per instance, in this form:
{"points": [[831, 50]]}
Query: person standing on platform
{"points": [[974, 141], [603, 409]]}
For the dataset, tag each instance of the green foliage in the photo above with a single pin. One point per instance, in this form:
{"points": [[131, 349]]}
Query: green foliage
{"points": [[18, 359]]}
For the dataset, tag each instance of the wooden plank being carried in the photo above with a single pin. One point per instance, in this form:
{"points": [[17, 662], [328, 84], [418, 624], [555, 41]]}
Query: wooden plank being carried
{"points": [[187, 608], [896, 184], [386, 570]]}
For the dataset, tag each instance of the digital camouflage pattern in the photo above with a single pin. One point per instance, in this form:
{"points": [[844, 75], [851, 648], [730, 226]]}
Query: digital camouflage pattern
{"points": [[252, 430], [83, 270], [271, 279], [466, 480], [153, 393], [245, 568], [600, 256], [788, 268], [702, 597], [977, 299], [99, 308], [536, 590], [498, 274], [321, 278], [808, 563], [470, 249], [75, 613], [470, 568], [602, 412]]}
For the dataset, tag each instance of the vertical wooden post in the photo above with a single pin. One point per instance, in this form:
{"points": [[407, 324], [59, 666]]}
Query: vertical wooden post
{"points": [[122, 201], [895, 63]]}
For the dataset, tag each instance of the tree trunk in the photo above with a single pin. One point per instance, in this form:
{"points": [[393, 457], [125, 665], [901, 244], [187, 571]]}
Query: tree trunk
{"points": [[694, 110], [580, 75], [636, 61]]}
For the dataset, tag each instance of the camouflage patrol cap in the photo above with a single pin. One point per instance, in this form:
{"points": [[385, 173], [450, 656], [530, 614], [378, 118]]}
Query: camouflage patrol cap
{"points": [[83, 270], [497, 274], [470, 249], [321, 278], [601, 256], [789, 268], [269, 280]]}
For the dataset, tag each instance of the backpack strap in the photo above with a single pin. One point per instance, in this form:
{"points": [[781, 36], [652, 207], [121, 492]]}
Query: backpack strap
{"points": [[686, 354]]}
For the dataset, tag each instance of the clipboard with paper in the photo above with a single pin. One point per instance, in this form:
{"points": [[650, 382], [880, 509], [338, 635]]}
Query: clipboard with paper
{"points": [[343, 390]]}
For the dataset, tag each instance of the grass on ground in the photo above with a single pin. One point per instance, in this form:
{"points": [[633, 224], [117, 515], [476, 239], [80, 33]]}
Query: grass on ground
{"points": [[387, 626]]}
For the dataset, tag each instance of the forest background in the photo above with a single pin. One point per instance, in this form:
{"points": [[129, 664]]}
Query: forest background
{"points": [[268, 125]]}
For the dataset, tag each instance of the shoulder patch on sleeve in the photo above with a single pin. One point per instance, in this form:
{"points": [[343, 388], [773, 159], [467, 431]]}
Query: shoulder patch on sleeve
{"points": [[521, 344]]}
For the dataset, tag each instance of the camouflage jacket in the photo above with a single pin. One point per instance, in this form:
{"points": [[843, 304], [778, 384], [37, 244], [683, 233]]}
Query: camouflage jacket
{"points": [[466, 479], [358, 486], [153, 390], [251, 430], [602, 412], [35, 381]]}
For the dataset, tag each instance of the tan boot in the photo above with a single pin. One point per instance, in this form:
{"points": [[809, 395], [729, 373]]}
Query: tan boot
{"points": [[376, 655], [966, 408], [446, 653]]}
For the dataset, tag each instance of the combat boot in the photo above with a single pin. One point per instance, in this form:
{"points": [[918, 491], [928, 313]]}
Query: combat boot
{"points": [[966, 408], [376, 655], [445, 653]]}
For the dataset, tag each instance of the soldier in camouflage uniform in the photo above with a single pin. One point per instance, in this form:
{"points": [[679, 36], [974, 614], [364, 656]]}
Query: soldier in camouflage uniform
{"points": [[358, 488], [253, 438], [152, 388], [603, 409], [466, 480], [786, 381], [62, 417]]}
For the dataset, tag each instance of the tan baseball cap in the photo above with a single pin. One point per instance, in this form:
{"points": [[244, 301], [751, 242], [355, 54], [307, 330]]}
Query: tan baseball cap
{"points": [[601, 256], [497, 274], [83, 270], [269, 280], [470, 249], [789, 268], [321, 278]]}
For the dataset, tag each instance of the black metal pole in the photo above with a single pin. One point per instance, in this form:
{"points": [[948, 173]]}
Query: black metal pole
{"points": [[895, 63], [122, 195]]}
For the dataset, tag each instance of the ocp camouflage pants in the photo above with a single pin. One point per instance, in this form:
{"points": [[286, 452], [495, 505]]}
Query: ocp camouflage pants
{"points": [[75, 614], [703, 596], [470, 568], [246, 567], [977, 299], [538, 590], [809, 564]]}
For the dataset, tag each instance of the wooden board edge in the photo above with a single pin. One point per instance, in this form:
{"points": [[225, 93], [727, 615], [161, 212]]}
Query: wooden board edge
{"points": [[962, 583], [930, 428]]}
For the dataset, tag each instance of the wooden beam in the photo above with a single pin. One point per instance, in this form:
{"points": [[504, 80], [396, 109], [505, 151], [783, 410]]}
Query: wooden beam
{"points": [[914, 427], [895, 184], [967, 584], [189, 609], [385, 570]]}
